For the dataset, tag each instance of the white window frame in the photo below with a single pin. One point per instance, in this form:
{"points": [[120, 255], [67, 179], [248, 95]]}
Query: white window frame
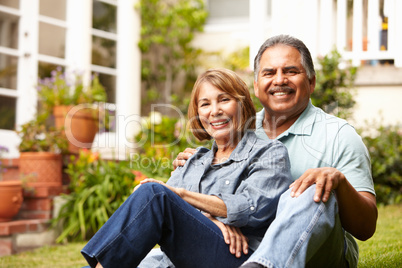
{"points": [[78, 26]]}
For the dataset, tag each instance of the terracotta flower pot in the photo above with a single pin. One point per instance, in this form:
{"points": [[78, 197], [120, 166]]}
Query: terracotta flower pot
{"points": [[41, 169], [10, 199], [80, 125]]}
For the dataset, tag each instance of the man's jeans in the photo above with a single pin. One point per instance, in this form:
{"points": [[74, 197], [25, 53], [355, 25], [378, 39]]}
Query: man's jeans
{"points": [[303, 234], [155, 215]]}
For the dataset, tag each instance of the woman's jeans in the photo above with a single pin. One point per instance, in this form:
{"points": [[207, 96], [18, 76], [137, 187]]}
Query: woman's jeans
{"points": [[155, 215]]}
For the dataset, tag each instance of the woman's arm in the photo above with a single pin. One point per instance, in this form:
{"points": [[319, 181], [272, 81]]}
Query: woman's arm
{"points": [[206, 203]]}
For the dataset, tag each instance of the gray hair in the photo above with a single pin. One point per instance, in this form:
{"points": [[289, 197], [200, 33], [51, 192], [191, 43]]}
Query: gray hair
{"points": [[286, 40]]}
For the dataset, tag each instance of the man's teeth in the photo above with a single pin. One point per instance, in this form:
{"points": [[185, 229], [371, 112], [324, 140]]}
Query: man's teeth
{"points": [[219, 123], [280, 93]]}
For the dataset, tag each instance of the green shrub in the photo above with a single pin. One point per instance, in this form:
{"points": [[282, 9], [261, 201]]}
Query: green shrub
{"points": [[161, 140], [385, 150], [98, 188], [333, 91], [168, 58]]}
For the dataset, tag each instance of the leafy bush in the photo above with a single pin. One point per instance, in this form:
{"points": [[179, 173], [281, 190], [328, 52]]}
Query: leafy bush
{"points": [[386, 159], [98, 188], [68, 89], [168, 58], [161, 140], [36, 136], [333, 92]]}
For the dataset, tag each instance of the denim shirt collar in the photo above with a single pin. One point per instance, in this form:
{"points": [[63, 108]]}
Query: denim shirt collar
{"points": [[240, 153]]}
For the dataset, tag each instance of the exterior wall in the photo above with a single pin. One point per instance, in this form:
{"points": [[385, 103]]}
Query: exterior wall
{"points": [[379, 104], [379, 94]]}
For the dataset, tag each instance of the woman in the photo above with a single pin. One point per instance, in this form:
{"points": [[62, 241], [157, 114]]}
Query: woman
{"points": [[237, 182]]}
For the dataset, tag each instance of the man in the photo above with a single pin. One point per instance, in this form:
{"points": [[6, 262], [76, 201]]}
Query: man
{"points": [[333, 194]]}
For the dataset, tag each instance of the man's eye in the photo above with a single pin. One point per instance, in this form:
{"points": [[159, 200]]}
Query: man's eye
{"points": [[292, 72], [269, 74]]}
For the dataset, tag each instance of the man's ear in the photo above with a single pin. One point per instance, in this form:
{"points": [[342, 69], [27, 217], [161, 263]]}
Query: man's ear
{"points": [[256, 89], [312, 84]]}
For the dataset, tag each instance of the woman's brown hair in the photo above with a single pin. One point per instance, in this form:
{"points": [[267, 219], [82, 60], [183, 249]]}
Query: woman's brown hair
{"points": [[230, 83]]}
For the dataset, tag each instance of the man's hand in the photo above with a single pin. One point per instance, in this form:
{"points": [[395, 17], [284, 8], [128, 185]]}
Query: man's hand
{"points": [[183, 157], [237, 242], [325, 178]]}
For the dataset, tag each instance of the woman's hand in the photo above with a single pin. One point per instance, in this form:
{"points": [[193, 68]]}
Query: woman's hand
{"points": [[173, 189], [237, 242]]}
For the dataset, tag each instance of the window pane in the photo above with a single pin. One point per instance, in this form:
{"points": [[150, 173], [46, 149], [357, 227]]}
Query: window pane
{"points": [[7, 111], [8, 30], [222, 9], [52, 40], [104, 17], [54, 9], [103, 52], [10, 3], [8, 71], [109, 83]]}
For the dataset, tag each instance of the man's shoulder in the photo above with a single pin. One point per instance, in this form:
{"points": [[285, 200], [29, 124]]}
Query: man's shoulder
{"points": [[329, 121]]}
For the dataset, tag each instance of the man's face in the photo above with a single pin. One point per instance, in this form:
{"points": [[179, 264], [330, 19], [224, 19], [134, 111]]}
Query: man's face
{"points": [[283, 86]]}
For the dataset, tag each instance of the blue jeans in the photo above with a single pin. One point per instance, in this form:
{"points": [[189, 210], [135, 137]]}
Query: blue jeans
{"points": [[303, 234], [155, 215]]}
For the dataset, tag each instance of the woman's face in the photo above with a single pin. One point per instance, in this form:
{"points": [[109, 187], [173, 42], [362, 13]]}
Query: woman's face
{"points": [[218, 112]]}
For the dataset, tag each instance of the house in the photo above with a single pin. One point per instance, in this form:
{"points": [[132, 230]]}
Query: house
{"points": [[37, 35]]}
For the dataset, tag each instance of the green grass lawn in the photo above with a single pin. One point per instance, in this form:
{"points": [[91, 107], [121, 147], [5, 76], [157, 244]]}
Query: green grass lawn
{"points": [[382, 250]]}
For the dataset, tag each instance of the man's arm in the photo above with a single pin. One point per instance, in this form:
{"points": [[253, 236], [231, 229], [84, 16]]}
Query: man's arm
{"points": [[357, 210]]}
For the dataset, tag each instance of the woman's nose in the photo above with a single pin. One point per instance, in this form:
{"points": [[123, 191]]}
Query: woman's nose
{"points": [[215, 109]]}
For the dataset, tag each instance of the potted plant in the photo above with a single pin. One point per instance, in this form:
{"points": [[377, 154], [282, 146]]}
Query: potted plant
{"points": [[73, 105], [40, 149], [10, 194]]}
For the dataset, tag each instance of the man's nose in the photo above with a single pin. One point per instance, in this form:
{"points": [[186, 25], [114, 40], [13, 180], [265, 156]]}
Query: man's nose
{"points": [[280, 78]]}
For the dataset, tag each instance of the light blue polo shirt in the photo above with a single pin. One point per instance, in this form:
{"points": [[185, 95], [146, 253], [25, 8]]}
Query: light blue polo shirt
{"points": [[318, 139]]}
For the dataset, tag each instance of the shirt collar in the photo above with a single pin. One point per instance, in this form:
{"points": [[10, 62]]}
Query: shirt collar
{"points": [[241, 151], [302, 126]]}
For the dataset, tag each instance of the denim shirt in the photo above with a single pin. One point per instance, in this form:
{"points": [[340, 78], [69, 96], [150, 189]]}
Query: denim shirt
{"points": [[250, 182]]}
